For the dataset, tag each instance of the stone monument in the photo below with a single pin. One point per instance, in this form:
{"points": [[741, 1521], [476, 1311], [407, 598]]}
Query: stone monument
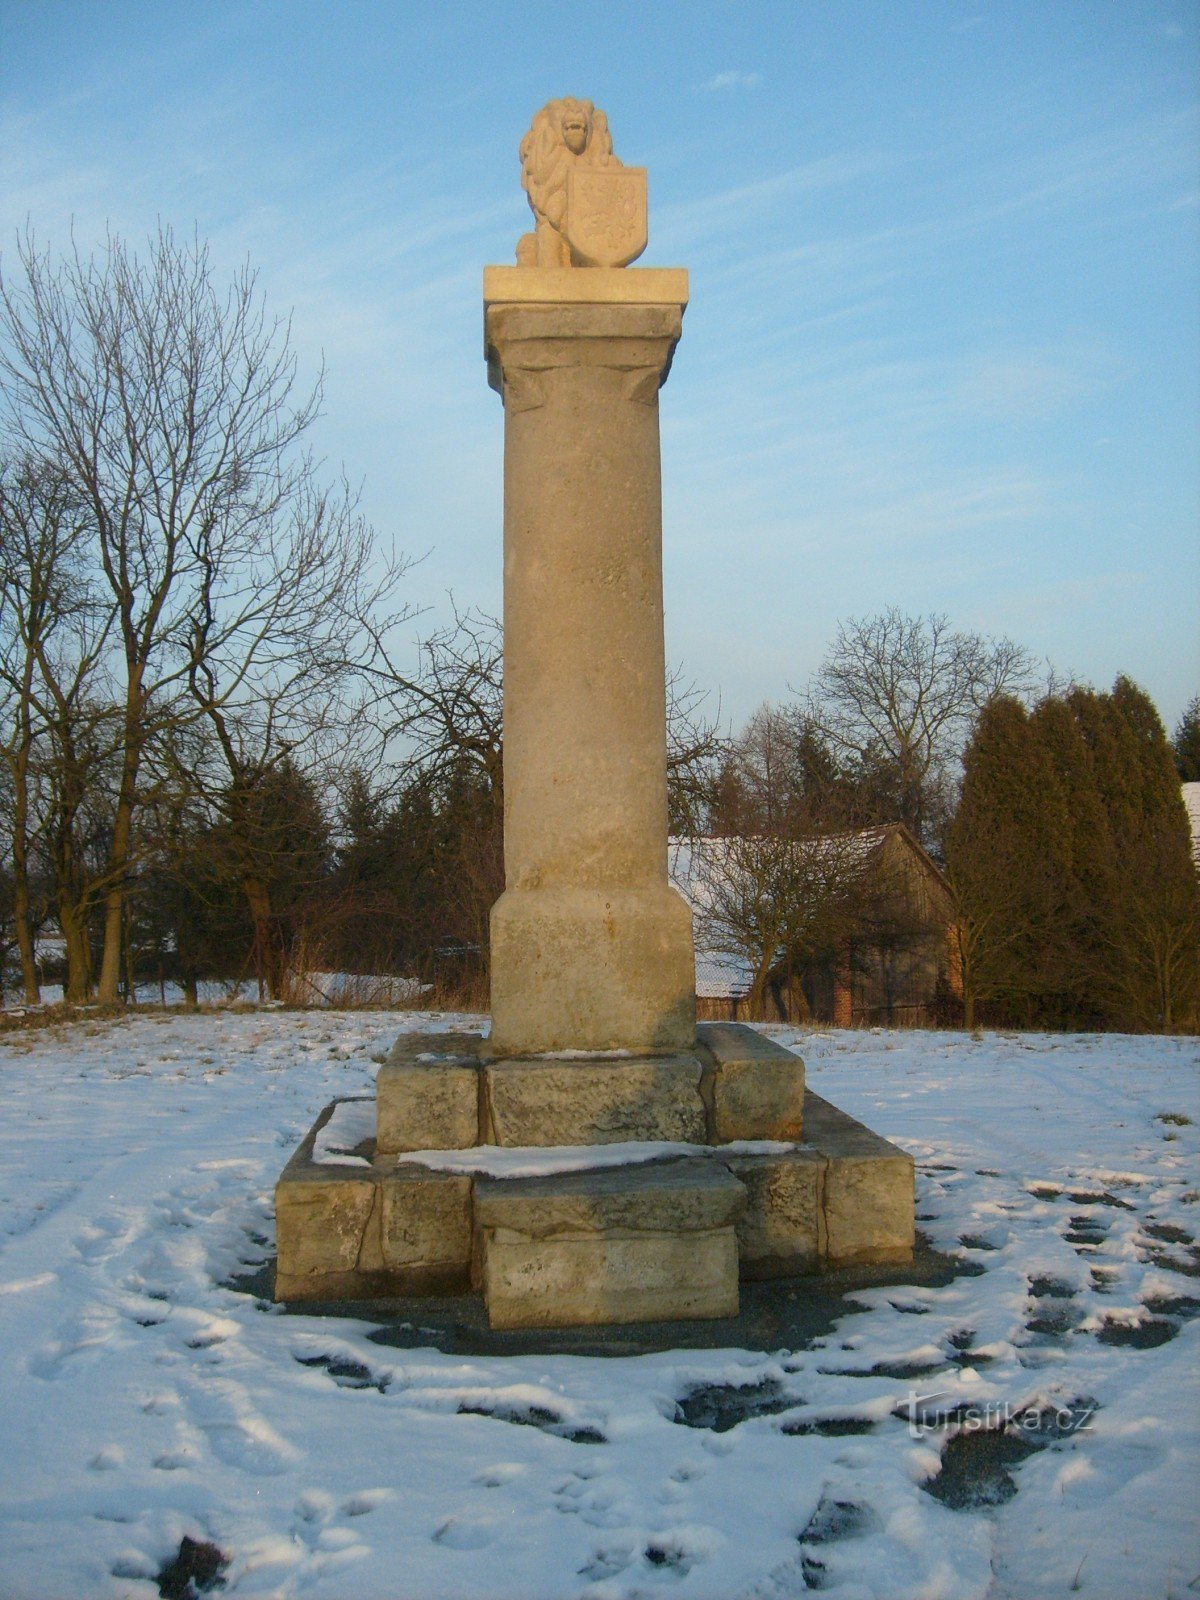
{"points": [[727, 1167]]}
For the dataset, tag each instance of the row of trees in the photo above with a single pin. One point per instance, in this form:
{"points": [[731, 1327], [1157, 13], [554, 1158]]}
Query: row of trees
{"points": [[1070, 859], [213, 763], [1055, 815]]}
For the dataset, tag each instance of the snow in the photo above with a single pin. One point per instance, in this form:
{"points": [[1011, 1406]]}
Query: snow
{"points": [[1191, 801], [531, 1161], [143, 1401], [352, 1123], [334, 989]]}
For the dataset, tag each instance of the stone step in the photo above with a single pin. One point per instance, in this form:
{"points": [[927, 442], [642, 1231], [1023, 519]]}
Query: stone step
{"points": [[444, 1092], [645, 1243], [352, 1222]]}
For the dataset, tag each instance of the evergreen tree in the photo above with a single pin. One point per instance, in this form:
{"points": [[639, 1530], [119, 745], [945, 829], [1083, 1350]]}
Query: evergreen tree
{"points": [[1070, 858], [272, 844], [1008, 854], [1153, 929], [1186, 743], [1073, 947]]}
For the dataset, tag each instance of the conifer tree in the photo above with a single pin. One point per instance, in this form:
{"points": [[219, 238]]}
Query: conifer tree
{"points": [[1153, 928], [1072, 945], [1070, 859], [1008, 861], [1186, 743]]}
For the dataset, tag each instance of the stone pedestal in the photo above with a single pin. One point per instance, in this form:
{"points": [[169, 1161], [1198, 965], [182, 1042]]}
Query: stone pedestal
{"points": [[777, 1183], [591, 948]]}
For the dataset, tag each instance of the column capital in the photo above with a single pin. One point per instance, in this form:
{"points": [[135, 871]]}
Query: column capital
{"points": [[527, 339]]}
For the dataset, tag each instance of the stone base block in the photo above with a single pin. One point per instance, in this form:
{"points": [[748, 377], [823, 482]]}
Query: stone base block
{"points": [[345, 1231], [757, 1085], [628, 1244], [592, 969], [868, 1194], [593, 1101], [783, 1231], [429, 1100], [425, 1221]]}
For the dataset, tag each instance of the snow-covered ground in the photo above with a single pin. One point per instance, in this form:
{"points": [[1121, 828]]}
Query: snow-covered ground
{"points": [[312, 989], [143, 1402]]}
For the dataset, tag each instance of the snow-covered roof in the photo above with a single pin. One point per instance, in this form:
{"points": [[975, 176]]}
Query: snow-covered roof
{"points": [[720, 975], [692, 864], [1191, 799]]}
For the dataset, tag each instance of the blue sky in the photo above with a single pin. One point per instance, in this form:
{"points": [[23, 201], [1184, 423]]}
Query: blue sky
{"points": [[943, 349]]}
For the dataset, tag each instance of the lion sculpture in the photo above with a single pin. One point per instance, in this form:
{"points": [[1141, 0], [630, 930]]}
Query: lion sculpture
{"points": [[564, 134]]}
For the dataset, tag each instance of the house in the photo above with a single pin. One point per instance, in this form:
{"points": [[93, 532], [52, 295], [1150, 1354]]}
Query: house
{"points": [[1191, 800], [887, 957]]}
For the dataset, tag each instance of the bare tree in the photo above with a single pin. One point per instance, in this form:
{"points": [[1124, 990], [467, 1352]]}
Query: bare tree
{"points": [[906, 690], [59, 725], [451, 711], [776, 903], [173, 412], [697, 750], [278, 665]]}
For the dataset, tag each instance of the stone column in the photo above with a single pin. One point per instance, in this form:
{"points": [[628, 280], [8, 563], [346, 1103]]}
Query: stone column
{"points": [[591, 948]]}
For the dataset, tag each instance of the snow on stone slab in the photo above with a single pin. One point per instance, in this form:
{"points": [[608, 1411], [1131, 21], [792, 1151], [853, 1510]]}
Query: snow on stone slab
{"points": [[147, 1399], [351, 1124], [533, 1161]]}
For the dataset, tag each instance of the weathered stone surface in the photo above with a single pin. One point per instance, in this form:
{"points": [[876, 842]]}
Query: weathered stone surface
{"points": [[623, 1244], [564, 1282], [326, 1222], [350, 1232], [647, 286], [782, 1232], [321, 1218], [427, 1104], [426, 1221], [868, 1201], [593, 1100], [436, 1046], [757, 1085], [684, 1196]]}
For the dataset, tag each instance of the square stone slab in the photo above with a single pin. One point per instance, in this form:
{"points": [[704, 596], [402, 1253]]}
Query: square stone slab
{"points": [[427, 1101], [868, 1194], [623, 1244], [757, 1086], [783, 1231], [593, 1100]]}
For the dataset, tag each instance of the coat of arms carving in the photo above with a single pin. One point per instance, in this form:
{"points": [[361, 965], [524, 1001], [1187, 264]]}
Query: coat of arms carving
{"points": [[606, 215]]}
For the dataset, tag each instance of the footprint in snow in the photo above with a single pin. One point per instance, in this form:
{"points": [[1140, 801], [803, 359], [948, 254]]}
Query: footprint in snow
{"points": [[238, 1434], [365, 1501], [495, 1477], [1085, 1233], [102, 1238], [468, 1532], [91, 1332]]}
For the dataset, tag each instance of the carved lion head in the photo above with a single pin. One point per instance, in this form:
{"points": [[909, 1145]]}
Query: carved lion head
{"points": [[562, 133]]}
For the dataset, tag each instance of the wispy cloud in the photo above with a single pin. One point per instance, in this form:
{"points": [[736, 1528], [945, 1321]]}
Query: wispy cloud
{"points": [[729, 80], [1030, 383]]}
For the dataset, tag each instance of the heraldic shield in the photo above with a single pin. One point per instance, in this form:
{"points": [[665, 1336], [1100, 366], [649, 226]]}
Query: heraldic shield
{"points": [[606, 215]]}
